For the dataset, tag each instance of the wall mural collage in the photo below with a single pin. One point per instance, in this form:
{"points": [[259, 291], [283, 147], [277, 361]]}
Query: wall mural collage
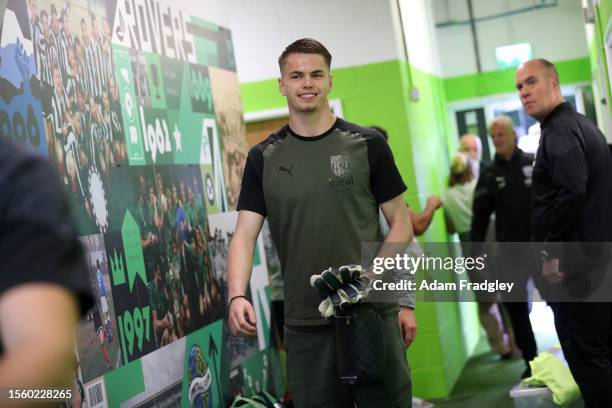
{"points": [[137, 104]]}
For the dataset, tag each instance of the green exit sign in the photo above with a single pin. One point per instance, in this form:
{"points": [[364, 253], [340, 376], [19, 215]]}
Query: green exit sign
{"points": [[511, 56]]}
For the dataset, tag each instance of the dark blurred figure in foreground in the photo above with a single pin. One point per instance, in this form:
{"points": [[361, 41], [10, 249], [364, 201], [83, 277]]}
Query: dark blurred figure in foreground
{"points": [[44, 287]]}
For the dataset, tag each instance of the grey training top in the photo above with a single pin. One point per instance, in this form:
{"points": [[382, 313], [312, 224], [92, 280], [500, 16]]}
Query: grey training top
{"points": [[321, 196]]}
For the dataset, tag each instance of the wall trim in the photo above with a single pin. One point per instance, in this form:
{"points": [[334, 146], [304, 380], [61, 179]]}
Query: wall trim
{"points": [[268, 114]]}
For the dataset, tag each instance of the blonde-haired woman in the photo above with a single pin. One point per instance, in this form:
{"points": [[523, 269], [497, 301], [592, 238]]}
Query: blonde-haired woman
{"points": [[459, 197], [458, 201]]}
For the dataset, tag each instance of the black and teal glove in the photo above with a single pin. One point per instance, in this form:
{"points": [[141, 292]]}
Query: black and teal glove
{"points": [[340, 288]]}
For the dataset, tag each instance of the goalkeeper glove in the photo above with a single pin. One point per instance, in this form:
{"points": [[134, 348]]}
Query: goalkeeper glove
{"points": [[340, 288]]}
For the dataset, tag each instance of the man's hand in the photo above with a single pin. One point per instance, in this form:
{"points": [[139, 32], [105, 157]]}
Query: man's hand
{"points": [[434, 202], [408, 324], [242, 318], [551, 272], [38, 322], [239, 267]]}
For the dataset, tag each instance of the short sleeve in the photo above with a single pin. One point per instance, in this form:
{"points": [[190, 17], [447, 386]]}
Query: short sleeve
{"points": [[38, 241], [385, 179], [251, 191]]}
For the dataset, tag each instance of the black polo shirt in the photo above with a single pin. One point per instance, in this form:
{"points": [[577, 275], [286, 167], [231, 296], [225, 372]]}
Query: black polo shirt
{"points": [[504, 188]]}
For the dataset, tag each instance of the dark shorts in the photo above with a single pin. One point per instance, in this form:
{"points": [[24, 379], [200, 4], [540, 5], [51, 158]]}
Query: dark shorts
{"points": [[313, 370]]}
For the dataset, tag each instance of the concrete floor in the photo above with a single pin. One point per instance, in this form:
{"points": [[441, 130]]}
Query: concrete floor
{"points": [[486, 380]]}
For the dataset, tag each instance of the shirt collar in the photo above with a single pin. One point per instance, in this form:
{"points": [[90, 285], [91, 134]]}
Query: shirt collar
{"points": [[560, 109], [314, 138], [515, 156]]}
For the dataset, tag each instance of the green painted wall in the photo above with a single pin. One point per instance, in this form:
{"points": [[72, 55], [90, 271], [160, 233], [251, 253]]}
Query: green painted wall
{"points": [[602, 19], [378, 94], [605, 10], [496, 82]]}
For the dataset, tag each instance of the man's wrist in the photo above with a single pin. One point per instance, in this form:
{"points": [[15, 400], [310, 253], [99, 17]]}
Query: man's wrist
{"points": [[229, 304]]}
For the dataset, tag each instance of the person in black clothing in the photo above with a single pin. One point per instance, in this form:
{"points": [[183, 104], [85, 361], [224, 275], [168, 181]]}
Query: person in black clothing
{"points": [[572, 202], [504, 188], [44, 286]]}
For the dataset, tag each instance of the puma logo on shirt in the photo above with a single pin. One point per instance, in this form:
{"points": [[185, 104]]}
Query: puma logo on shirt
{"points": [[288, 170]]}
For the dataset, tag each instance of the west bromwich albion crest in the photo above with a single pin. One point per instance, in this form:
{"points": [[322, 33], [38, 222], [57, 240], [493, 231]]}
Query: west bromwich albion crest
{"points": [[340, 165]]}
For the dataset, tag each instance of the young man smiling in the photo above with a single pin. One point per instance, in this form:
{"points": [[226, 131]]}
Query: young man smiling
{"points": [[319, 214]]}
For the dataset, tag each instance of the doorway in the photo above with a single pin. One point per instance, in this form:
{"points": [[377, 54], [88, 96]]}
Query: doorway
{"points": [[257, 132]]}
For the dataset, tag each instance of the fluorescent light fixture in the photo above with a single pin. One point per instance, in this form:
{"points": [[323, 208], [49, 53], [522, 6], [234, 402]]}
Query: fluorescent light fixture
{"points": [[511, 56]]}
